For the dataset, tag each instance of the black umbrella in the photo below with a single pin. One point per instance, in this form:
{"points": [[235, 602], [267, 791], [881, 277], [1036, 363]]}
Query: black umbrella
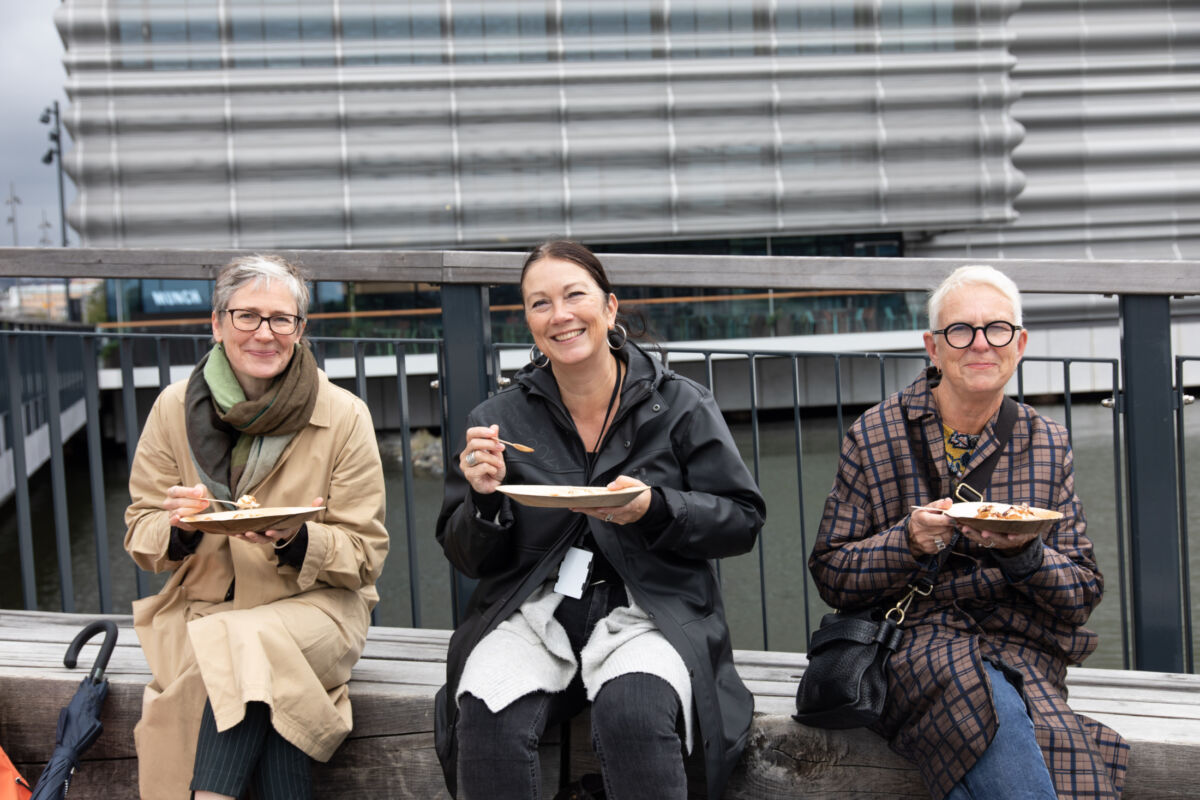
{"points": [[79, 722]]}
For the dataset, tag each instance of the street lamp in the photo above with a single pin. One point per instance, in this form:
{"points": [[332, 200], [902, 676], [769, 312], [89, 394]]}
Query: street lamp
{"points": [[54, 154], [12, 201], [50, 114]]}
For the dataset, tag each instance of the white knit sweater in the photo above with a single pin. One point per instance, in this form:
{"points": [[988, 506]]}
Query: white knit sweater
{"points": [[530, 652]]}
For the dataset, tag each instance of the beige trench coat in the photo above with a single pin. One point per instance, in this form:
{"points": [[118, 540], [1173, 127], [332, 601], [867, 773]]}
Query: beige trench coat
{"points": [[287, 638]]}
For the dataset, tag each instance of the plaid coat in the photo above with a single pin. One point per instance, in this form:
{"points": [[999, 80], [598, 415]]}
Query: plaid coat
{"points": [[940, 713]]}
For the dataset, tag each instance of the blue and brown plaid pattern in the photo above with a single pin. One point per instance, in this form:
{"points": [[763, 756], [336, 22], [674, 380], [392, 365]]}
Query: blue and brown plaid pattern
{"points": [[940, 712]]}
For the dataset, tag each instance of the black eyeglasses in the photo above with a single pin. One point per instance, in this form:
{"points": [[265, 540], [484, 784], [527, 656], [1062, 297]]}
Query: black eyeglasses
{"points": [[246, 320], [960, 335]]}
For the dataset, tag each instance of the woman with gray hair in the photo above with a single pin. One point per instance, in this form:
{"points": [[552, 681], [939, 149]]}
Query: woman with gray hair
{"points": [[977, 688], [252, 638]]}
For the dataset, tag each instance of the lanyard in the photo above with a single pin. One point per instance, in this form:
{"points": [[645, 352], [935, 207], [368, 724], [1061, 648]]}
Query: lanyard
{"points": [[612, 401]]}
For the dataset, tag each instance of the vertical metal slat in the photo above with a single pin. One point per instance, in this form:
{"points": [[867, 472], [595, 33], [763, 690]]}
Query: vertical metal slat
{"points": [[752, 363], [1181, 493], [91, 380], [16, 422], [58, 480], [800, 491], [130, 416], [410, 522]]}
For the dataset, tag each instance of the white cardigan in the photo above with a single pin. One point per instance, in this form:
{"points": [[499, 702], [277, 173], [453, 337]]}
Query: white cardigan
{"points": [[530, 652]]}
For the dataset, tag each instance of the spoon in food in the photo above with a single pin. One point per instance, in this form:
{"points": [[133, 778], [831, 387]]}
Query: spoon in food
{"points": [[244, 503], [521, 448]]}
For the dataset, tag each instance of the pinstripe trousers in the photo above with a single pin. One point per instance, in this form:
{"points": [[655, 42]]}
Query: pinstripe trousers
{"points": [[250, 755]]}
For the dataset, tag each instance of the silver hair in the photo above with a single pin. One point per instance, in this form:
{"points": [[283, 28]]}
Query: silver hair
{"points": [[973, 275], [245, 270]]}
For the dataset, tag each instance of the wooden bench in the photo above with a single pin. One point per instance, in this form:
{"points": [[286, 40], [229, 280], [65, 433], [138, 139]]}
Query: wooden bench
{"points": [[390, 753]]}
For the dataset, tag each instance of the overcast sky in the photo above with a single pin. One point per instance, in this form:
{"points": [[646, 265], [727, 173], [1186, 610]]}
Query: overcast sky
{"points": [[31, 78]]}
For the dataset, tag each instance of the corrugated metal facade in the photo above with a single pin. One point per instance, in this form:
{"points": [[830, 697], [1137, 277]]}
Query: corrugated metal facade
{"points": [[351, 123], [1110, 103]]}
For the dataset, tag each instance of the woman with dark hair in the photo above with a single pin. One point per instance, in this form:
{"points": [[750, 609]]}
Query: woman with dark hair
{"points": [[642, 638], [252, 638]]}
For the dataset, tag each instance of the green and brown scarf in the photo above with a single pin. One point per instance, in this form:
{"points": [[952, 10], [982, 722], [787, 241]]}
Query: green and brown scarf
{"points": [[236, 442]]}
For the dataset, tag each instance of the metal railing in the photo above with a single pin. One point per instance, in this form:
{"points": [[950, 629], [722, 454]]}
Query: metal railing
{"points": [[716, 368], [1182, 400], [739, 367], [468, 368]]}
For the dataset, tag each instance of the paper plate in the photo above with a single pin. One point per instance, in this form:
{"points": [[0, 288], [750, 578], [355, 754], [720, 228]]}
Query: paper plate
{"points": [[253, 519], [570, 496], [980, 516]]}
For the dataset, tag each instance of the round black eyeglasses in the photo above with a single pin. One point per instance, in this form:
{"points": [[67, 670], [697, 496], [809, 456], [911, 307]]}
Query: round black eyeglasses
{"points": [[247, 320], [960, 335]]}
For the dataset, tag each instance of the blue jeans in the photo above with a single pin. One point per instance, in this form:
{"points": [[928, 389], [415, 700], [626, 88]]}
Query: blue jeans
{"points": [[635, 727], [1013, 767]]}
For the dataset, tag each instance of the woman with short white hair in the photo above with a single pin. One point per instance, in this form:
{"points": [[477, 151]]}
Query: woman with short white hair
{"points": [[977, 689]]}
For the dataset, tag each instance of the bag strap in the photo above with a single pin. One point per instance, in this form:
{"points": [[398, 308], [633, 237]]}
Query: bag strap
{"points": [[980, 476], [853, 629]]}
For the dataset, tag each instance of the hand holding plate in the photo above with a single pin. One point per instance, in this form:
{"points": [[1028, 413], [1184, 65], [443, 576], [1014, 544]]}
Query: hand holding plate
{"points": [[275, 537], [1007, 528], [1007, 544], [632, 511]]}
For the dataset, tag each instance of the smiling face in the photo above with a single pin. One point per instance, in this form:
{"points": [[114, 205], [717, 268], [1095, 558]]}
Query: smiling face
{"points": [[567, 312], [979, 370], [257, 356]]}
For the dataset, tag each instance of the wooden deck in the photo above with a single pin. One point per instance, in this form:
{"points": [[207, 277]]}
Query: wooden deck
{"points": [[390, 753]]}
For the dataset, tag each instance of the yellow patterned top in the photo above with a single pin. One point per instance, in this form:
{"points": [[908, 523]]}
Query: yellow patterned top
{"points": [[958, 449]]}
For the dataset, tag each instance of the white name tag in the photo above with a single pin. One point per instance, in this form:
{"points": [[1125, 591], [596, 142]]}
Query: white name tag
{"points": [[573, 573]]}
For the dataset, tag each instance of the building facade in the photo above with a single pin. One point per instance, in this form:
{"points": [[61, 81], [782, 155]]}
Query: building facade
{"points": [[984, 126]]}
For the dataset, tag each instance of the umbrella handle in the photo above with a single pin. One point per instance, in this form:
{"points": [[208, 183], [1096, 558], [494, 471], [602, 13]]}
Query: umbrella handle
{"points": [[110, 640]]}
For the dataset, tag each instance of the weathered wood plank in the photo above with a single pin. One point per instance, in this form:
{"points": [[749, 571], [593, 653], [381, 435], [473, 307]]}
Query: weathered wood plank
{"points": [[390, 752]]}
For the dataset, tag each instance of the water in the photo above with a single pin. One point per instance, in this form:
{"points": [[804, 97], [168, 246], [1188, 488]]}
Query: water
{"points": [[783, 550]]}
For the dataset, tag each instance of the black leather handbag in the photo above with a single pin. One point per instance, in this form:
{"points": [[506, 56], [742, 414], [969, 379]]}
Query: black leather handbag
{"points": [[845, 685]]}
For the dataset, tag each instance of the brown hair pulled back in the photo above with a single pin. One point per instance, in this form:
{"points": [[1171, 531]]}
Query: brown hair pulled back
{"points": [[567, 250]]}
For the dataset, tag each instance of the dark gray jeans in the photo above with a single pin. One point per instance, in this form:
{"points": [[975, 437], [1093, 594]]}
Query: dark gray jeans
{"points": [[635, 727]]}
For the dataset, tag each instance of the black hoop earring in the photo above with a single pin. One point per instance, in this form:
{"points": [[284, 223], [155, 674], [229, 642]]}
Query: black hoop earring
{"points": [[624, 337], [536, 356]]}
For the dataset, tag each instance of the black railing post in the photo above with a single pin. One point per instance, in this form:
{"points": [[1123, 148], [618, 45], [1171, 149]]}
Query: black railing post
{"points": [[467, 334], [16, 441], [1155, 566]]}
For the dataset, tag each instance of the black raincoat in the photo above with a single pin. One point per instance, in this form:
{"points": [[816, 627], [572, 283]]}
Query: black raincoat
{"points": [[668, 433]]}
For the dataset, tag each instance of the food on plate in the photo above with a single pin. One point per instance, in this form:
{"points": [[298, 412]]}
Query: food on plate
{"points": [[1000, 511], [253, 519]]}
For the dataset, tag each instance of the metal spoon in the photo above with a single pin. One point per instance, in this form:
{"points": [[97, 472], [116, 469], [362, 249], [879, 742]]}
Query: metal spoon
{"points": [[522, 448]]}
